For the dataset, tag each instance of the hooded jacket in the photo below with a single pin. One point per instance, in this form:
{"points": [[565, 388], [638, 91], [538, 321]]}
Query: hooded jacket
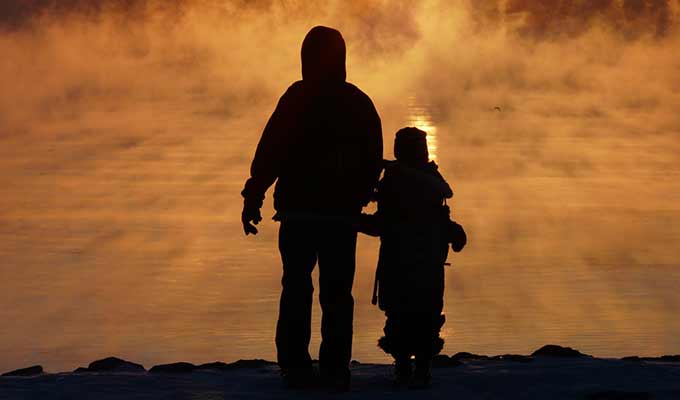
{"points": [[323, 143], [413, 238]]}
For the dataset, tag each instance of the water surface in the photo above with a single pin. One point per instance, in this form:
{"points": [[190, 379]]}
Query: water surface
{"points": [[129, 244]]}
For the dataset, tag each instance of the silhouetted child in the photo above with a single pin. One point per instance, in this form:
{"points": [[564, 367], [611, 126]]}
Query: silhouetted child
{"points": [[415, 231]]}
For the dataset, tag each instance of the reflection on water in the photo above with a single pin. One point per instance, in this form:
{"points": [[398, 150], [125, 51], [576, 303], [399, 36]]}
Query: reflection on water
{"points": [[419, 116]]}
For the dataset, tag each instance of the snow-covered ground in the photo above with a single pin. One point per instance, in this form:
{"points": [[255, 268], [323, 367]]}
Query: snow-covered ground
{"points": [[540, 378]]}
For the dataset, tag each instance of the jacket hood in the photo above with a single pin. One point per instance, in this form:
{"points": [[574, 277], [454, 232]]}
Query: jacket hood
{"points": [[323, 55]]}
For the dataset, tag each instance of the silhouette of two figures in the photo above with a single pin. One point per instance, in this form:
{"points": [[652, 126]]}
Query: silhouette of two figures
{"points": [[323, 148]]}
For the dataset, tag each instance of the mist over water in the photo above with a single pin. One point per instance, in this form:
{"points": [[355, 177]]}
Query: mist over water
{"points": [[127, 129]]}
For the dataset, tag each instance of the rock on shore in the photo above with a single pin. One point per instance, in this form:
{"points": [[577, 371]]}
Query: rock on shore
{"points": [[29, 371], [111, 364]]}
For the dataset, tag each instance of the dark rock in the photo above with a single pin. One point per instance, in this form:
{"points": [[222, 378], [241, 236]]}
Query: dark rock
{"points": [[80, 370], [619, 395], [220, 366], [114, 364], [513, 358], [464, 355], [444, 361], [174, 368], [256, 363], [666, 358], [551, 350], [214, 366], [30, 371]]}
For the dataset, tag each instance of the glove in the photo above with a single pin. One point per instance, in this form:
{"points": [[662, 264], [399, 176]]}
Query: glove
{"points": [[250, 217], [457, 236]]}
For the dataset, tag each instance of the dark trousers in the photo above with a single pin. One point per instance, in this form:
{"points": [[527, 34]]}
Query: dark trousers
{"points": [[412, 334], [333, 245]]}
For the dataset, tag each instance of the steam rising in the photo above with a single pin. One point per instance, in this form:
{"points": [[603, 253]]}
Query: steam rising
{"points": [[127, 126]]}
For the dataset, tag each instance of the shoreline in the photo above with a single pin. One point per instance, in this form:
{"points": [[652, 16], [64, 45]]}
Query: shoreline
{"points": [[114, 364], [552, 372]]}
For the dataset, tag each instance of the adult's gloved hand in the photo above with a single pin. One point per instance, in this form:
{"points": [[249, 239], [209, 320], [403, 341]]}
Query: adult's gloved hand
{"points": [[250, 217]]}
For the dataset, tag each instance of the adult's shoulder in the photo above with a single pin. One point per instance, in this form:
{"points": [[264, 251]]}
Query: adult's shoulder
{"points": [[292, 97], [359, 95], [295, 89], [354, 90]]}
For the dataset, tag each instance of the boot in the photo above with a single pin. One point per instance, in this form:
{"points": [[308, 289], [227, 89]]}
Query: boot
{"points": [[337, 380], [402, 369], [422, 376]]}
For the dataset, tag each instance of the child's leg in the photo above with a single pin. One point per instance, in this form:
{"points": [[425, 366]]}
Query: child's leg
{"points": [[402, 368], [428, 345], [398, 343]]}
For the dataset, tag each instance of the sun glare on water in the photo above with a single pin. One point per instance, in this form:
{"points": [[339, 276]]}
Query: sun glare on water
{"points": [[421, 118]]}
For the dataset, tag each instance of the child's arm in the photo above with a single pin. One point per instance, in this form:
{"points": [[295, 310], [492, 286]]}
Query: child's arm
{"points": [[443, 186]]}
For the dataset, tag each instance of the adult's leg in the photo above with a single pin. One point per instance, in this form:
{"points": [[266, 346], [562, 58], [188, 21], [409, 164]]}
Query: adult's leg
{"points": [[293, 329], [337, 262]]}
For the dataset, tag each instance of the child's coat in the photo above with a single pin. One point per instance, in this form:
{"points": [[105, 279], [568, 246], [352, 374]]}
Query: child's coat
{"points": [[411, 222]]}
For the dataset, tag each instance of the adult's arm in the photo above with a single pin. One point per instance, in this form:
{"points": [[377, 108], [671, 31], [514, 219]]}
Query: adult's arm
{"points": [[374, 152], [266, 165]]}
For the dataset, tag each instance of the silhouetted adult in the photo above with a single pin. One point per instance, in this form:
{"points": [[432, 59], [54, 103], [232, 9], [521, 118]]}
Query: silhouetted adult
{"points": [[323, 147]]}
